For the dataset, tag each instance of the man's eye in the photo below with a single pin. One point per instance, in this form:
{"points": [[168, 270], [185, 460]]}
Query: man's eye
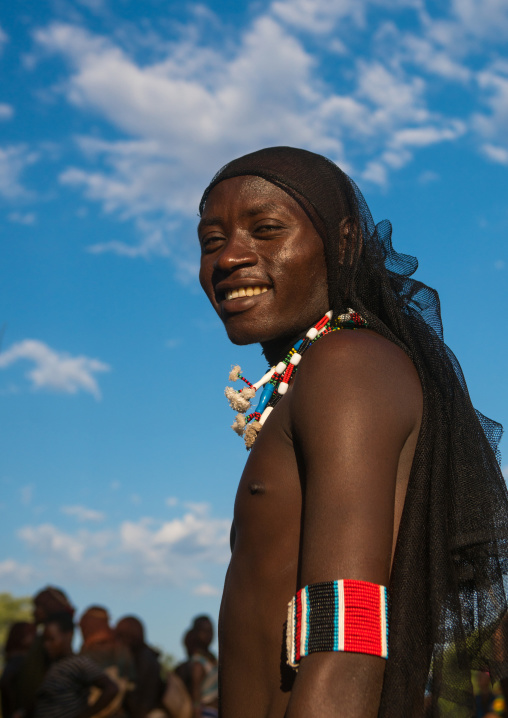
{"points": [[268, 228], [209, 242]]}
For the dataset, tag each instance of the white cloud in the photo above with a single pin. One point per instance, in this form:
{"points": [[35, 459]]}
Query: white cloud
{"points": [[47, 540], [428, 176], [318, 16], [13, 573], [496, 153], [484, 19], [469, 23], [6, 111], [185, 114], [26, 218], [82, 513], [184, 121], [13, 161], [492, 125], [435, 60], [206, 589], [56, 371], [158, 552]]}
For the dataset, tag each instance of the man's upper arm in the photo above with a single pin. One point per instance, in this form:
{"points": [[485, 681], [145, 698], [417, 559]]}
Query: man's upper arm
{"points": [[354, 403]]}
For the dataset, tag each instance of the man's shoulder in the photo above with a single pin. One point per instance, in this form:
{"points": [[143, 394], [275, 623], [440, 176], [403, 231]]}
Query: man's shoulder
{"points": [[361, 350], [356, 365]]}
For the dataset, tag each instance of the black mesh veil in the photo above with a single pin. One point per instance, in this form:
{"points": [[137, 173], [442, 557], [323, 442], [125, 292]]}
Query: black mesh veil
{"points": [[447, 588]]}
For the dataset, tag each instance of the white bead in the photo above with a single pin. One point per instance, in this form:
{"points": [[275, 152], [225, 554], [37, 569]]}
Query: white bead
{"points": [[265, 414], [312, 333], [282, 388], [264, 378], [295, 359], [280, 368], [329, 314]]}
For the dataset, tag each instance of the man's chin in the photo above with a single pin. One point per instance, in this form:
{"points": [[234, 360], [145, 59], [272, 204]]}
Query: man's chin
{"points": [[241, 332]]}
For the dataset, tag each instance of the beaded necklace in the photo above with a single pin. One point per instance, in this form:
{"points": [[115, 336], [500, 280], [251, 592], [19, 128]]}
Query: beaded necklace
{"points": [[277, 379]]}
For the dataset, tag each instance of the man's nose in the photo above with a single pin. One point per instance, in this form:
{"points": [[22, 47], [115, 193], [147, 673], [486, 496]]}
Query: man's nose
{"points": [[236, 252]]}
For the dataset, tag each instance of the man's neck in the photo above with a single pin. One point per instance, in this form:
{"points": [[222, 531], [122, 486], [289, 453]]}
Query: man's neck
{"points": [[277, 349]]}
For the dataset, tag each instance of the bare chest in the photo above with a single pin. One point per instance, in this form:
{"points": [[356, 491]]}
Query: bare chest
{"points": [[268, 503]]}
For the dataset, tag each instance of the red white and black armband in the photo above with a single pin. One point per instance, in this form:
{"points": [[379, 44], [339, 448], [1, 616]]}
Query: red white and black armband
{"points": [[343, 615]]}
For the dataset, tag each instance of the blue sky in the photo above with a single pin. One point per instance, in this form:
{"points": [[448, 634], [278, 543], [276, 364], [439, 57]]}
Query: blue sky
{"points": [[118, 468]]}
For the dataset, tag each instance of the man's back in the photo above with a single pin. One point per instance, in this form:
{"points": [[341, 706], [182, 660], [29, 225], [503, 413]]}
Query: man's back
{"points": [[307, 513]]}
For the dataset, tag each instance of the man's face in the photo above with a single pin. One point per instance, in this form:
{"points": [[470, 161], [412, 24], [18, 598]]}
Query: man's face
{"points": [[262, 262], [57, 643]]}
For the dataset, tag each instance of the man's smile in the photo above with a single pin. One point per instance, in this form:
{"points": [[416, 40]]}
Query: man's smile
{"points": [[238, 299], [245, 292]]}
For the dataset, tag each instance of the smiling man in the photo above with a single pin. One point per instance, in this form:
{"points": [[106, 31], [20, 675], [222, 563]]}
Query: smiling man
{"points": [[362, 489]]}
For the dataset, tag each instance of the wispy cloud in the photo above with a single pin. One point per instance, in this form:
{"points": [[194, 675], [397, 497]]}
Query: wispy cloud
{"points": [[492, 124], [14, 573], [175, 552], [13, 161], [206, 589], [26, 218], [82, 513], [6, 111], [185, 115], [198, 101], [53, 370]]}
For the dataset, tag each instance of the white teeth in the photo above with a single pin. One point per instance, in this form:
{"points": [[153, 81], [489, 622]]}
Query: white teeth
{"points": [[245, 292]]}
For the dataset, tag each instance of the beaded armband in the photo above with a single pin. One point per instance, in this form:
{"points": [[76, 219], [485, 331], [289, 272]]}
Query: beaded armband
{"points": [[343, 615]]}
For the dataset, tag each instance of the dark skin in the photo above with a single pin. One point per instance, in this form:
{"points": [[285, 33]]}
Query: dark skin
{"points": [[58, 644], [323, 488]]}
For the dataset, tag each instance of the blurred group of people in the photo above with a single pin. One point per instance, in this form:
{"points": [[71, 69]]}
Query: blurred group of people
{"points": [[116, 674]]}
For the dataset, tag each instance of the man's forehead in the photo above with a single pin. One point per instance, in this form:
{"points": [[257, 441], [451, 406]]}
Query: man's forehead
{"points": [[252, 210], [249, 196]]}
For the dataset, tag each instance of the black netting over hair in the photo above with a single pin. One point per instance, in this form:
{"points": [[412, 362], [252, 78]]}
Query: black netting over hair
{"points": [[448, 599]]}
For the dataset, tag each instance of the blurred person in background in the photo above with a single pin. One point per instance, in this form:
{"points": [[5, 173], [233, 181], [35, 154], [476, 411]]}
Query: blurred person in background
{"points": [[102, 646], [17, 645], [47, 603], [147, 694], [183, 670], [153, 696], [203, 670], [65, 689]]}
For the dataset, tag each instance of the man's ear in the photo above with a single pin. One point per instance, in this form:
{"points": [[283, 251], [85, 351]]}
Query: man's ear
{"points": [[350, 240]]}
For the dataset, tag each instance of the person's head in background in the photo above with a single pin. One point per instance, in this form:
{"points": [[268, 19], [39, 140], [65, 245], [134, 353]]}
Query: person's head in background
{"points": [[130, 631], [202, 630], [58, 635], [49, 601]]}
